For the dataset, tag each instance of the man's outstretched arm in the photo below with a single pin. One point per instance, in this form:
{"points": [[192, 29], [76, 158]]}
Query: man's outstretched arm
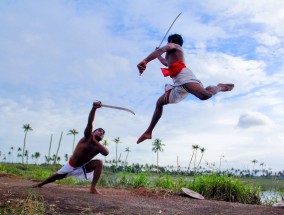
{"points": [[155, 54], [89, 128]]}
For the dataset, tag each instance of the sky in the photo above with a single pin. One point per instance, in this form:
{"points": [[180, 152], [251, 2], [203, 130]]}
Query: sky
{"points": [[58, 57]]}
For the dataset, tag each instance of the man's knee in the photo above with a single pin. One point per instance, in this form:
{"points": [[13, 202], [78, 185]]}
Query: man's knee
{"points": [[205, 96], [163, 100], [97, 163]]}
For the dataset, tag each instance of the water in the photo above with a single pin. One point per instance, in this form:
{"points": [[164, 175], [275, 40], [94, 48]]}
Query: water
{"points": [[270, 197]]}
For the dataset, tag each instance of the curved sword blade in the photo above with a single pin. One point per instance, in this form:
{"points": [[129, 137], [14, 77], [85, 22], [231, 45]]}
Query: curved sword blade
{"points": [[119, 108], [169, 30]]}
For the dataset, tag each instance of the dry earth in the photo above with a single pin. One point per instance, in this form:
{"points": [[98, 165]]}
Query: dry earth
{"points": [[64, 199]]}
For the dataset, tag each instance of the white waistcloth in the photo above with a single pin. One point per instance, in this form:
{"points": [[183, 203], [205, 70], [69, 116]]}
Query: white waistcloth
{"points": [[77, 172], [178, 93]]}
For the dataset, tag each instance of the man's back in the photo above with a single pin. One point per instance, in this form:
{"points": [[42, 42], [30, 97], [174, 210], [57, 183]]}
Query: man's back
{"points": [[174, 53]]}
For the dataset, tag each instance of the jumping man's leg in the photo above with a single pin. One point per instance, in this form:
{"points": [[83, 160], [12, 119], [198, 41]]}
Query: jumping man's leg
{"points": [[156, 116], [50, 179], [208, 92], [97, 167]]}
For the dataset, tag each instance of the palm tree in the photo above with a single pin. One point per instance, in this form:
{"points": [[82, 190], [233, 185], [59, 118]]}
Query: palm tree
{"points": [[26, 128], [12, 153], [48, 156], [9, 156], [105, 143], [126, 150], [37, 155], [54, 161], [157, 147], [254, 162], [202, 150], [177, 165], [261, 164], [27, 155], [33, 156], [221, 157], [117, 141], [73, 132], [194, 147], [66, 157], [19, 155]]}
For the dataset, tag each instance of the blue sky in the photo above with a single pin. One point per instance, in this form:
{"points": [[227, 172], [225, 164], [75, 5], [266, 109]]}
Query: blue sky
{"points": [[57, 57]]}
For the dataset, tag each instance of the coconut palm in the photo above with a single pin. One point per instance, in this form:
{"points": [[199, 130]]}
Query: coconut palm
{"points": [[19, 153], [157, 147], [73, 132], [261, 164], [221, 157], [66, 157], [194, 147], [12, 153], [26, 128], [254, 161], [48, 156], [105, 143], [126, 150], [117, 141], [9, 156], [202, 150], [37, 155], [27, 155], [55, 159], [32, 156]]}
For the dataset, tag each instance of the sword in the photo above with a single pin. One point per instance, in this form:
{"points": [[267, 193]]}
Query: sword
{"points": [[119, 108], [169, 30]]}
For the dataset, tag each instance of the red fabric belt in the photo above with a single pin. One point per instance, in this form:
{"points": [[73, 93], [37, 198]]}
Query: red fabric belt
{"points": [[173, 69], [71, 163]]}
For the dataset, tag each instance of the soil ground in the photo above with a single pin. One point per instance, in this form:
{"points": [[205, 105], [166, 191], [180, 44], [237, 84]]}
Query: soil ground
{"points": [[65, 199]]}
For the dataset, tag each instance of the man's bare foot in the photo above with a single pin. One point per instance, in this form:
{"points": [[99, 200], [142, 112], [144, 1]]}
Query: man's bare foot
{"points": [[143, 137], [226, 87], [39, 185], [95, 191]]}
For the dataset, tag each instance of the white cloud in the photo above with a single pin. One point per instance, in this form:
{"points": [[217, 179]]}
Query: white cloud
{"points": [[253, 119], [267, 39]]}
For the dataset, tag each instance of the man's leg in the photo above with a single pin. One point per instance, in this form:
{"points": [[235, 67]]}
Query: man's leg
{"points": [[50, 179], [156, 116], [206, 93], [97, 167]]}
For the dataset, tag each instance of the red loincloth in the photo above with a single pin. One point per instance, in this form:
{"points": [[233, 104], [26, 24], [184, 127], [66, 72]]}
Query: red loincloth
{"points": [[173, 69]]}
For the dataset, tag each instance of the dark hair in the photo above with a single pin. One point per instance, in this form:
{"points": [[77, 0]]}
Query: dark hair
{"points": [[99, 129], [175, 38]]}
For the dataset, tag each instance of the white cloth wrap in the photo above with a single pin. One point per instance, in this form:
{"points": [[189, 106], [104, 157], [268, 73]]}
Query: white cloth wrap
{"points": [[178, 93], [77, 172]]}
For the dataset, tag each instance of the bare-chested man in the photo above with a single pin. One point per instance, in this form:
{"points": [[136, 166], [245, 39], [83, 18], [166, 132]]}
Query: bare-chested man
{"points": [[81, 164], [184, 80]]}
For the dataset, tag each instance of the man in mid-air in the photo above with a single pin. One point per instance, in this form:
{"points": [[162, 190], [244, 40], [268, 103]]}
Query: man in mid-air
{"points": [[184, 81]]}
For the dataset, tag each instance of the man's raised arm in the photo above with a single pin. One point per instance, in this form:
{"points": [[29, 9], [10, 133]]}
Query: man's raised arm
{"points": [[89, 128]]}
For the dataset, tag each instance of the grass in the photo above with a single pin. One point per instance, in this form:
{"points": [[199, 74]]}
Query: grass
{"points": [[213, 186], [30, 204], [225, 188]]}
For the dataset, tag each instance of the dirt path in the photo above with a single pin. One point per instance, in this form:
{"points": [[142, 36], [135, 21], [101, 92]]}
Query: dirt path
{"points": [[77, 200]]}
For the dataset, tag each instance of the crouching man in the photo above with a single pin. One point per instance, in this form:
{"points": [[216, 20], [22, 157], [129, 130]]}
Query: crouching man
{"points": [[81, 164]]}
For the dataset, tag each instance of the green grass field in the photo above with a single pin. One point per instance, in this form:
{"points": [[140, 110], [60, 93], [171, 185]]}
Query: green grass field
{"points": [[212, 186]]}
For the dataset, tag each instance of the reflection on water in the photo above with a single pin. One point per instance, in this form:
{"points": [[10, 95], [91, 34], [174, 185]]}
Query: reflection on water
{"points": [[270, 196]]}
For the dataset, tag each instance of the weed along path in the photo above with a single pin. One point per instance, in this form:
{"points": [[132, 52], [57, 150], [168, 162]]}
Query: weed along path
{"points": [[65, 199]]}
